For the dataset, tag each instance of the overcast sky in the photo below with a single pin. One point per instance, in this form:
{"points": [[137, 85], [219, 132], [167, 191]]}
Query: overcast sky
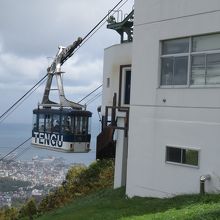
{"points": [[30, 33]]}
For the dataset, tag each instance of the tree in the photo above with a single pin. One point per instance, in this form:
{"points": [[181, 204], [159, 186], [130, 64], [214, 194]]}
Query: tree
{"points": [[29, 209], [9, 214]]}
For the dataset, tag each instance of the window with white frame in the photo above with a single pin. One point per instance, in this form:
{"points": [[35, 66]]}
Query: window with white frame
{"points": [[125, 85], [182, 156], [191, 61]]}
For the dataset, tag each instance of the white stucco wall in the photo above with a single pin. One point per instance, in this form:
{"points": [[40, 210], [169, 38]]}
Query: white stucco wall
{"points": [[121, 155], [114, 57], [155, 124]]}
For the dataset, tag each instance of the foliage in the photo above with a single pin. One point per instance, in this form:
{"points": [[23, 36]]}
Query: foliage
{"points": [[29, 209], [9, 214], [80, 181], [8, 184], [111, 204]]}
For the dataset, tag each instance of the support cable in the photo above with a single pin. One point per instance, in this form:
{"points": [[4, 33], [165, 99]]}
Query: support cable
{"points": [[90, 93], [25, 98], [22, 152], [104, 21], [10, 108], [93, 98], [84, 40], [91, 32], [15, 149]]}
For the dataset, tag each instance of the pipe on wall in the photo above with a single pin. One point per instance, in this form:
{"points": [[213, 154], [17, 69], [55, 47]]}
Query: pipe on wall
{"points": [[203, 179]]}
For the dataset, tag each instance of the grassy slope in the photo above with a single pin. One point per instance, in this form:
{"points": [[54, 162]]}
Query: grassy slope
{"points": [[112, 205]]}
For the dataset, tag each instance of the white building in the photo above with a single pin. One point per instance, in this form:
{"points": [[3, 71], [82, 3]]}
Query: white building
{"points": [[174, 109]]}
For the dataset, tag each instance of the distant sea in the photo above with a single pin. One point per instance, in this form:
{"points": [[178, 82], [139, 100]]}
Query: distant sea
{"points": [[11, 135]]}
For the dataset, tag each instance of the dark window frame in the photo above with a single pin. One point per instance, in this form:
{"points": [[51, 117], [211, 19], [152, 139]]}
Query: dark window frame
{"points": [[121, 81], [184, 156]]}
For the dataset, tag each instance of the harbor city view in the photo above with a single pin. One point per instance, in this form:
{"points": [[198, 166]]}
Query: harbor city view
{"points": [[33, 172], [109, 110]]}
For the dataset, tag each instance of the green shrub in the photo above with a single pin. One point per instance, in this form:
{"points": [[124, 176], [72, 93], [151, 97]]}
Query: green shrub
{"points": [[80, 181], [29, 209], [9, 214]]}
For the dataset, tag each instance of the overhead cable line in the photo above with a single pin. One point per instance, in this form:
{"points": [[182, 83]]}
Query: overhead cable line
{"points": [[103, 19], [93, 98], [90, 93], [99, 25], [15, 149], [84, 40], [91, 32], [22, 152], [20, 99]]}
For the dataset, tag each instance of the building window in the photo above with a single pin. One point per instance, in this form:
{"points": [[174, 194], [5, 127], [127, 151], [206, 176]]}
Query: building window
{"points": [[182, 156], [108, 82], [174, 62], [191, 61], [125, 85], [174, 70]]}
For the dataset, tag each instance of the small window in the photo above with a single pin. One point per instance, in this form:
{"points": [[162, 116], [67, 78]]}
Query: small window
{"points": [[174, 70], [198, 70], [175, 46], [84, 125], [66, 124], [108, 82], [205, 69], [206, 43], [125, 85], [182, 156], [174, 61], [48, 123], [35, 125], [213, 69], [56, 123], [41, 123], [78, 125]]}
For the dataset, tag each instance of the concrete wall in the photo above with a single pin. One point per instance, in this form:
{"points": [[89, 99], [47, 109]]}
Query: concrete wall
{"points": [[114, 57], [121, 155], [193, 123]]}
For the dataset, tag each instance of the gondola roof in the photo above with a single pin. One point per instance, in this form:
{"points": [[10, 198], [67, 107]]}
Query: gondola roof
{"points": [[63, 111]]}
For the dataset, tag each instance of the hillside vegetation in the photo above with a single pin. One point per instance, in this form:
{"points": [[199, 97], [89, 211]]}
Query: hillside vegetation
{"points": [[87, 194], [112, 204], [80, 181]]}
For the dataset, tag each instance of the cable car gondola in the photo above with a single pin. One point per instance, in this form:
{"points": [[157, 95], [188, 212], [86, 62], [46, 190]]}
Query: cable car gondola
{"points": [[62, 129], [63, 126]]}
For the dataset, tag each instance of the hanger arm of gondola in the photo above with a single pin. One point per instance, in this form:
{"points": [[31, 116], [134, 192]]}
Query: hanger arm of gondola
{"points": [[63, 54]]}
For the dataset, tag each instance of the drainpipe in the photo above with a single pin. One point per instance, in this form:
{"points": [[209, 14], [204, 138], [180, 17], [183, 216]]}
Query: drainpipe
{"points": [[203, 179]]}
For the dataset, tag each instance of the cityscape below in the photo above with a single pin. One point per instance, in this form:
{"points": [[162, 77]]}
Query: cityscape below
{"points": [[33, 172], [19, 180]]}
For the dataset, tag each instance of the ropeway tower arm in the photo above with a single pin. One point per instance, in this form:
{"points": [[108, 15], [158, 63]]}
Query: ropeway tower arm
{"points": [[63, 54]]}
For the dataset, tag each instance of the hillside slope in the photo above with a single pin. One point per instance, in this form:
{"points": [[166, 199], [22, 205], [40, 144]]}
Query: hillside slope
{"points": [[112, 204]]}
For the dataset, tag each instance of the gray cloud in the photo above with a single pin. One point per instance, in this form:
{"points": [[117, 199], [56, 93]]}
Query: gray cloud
{"points": [[30, 28], [30, 31]]}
